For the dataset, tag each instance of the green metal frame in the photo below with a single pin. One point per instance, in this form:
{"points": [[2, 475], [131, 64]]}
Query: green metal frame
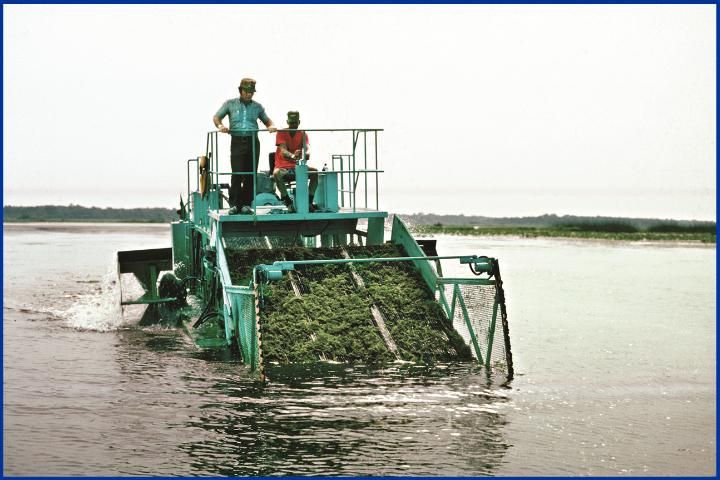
{"points": [[238, 303], [402, 236], [146, 266]]}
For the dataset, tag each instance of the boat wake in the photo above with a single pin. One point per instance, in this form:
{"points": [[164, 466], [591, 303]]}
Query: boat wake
{"points": [[99, 309]]}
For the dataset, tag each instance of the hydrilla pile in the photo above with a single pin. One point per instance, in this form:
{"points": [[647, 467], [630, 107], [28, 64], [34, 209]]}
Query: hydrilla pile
{"points": [[319, 312]]}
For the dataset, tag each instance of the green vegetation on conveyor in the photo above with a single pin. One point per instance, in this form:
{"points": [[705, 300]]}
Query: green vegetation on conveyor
{"points": [[331, 318], [416, 321]]}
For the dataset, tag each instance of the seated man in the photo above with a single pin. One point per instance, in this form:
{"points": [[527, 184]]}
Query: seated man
{"points": [[290, 145]]}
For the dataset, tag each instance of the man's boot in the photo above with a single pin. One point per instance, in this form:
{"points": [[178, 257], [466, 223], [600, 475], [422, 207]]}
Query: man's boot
{"points": [[288, 204]]}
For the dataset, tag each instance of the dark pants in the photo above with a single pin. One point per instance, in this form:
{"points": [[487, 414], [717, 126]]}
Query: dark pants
{"points": [[241, 160]]}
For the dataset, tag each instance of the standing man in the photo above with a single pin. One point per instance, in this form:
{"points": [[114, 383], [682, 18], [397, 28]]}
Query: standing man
{"points": [[244, 113], [291, 144]]}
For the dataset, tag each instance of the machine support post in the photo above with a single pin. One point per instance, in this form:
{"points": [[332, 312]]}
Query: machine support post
{"points": [[375, 231], [152, 274], [301, 188], [326, 240]]}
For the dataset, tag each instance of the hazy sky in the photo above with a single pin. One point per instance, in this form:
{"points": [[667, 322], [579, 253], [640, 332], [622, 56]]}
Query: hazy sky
{"points": [[487, 109]]}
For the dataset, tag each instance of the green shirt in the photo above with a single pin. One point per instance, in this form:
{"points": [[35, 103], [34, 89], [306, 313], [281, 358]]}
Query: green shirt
{"points": [[243, 116]]}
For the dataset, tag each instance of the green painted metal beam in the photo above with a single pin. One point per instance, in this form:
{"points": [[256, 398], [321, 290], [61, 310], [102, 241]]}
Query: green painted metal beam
{"points": [[148, 301], [401, 236], [491, 333], [464, 281]]}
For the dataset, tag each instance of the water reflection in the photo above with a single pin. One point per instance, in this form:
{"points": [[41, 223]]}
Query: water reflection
{"points": [[343, 420]]}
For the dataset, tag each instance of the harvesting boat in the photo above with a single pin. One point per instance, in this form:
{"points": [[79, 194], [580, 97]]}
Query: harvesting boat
{"points": [[341, 283]]}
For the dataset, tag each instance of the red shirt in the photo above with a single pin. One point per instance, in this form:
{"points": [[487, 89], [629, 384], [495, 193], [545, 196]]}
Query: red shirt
{"points": [[292, 143]]}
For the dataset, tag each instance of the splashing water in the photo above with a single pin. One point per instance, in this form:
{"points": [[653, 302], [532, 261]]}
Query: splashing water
{"points": [[100, 309]]}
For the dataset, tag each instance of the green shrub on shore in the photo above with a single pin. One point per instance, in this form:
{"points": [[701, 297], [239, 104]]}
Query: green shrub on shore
{"points": [[677, 228], [609, 227], [683, 235], [77, 213]]}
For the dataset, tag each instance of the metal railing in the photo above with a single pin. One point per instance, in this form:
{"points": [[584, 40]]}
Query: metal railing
{"points": [[358, 171]]}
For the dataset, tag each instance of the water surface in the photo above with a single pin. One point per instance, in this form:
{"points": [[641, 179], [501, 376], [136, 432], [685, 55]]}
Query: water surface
{"points": [[614, 349]]}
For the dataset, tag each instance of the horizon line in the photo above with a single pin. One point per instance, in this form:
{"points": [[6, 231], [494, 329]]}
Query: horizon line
{"points": [[395, 213]]}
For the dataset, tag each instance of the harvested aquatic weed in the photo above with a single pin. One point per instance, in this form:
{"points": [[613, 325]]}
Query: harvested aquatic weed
{"points": [[320, 312], [416, 321]]}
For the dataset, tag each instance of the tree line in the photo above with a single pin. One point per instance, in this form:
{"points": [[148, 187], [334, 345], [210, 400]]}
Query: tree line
{"points": [[570, 222], [77, 213]]}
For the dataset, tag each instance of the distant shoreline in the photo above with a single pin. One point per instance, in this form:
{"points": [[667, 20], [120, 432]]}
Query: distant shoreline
{"points": [[84, 220], [549, 226], [706, 240], [681, 237]]}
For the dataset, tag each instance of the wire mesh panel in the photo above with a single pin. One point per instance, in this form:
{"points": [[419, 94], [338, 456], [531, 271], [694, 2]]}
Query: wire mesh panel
{"points": [[243, 312], [238, 242], [477, 316]]}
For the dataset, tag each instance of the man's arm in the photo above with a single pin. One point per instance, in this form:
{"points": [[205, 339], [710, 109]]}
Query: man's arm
{"points": [[287, 153], [266, 120], [269, 124], [219, 125], [306, 144]]}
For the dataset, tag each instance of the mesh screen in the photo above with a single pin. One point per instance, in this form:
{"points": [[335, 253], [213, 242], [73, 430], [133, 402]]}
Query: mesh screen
{"points": [[247, 319], [479, 301], [244, 309], [237, 242]]}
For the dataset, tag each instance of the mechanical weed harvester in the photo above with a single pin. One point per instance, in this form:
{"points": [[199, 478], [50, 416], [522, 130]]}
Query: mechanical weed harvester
{"points": [[287, 285]]}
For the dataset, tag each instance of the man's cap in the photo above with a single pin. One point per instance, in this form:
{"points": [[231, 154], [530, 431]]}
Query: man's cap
{"points": [[293, 117], [247, 82]]}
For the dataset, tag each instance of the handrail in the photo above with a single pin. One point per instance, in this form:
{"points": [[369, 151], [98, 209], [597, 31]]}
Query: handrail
{"points": [[323, 171], [353, 171], [305, 130]]}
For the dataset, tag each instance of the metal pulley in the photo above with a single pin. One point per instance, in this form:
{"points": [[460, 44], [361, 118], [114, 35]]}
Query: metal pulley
{"points": [[480, 265]]}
